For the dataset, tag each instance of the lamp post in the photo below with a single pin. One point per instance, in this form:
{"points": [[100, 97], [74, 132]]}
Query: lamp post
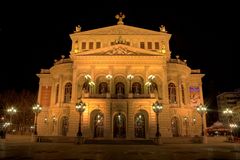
{"points": [[80, 107], [148, 84], [232, 126], [228, 113], [130, 77], [36, 109], [201, 109], [157, 108], [11, 111]]}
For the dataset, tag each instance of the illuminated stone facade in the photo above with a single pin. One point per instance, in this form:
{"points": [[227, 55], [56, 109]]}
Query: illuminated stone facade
{"points": [[119, 72]]}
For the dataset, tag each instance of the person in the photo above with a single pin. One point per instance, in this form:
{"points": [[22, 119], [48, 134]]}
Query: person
{"points": [[3, 133]]}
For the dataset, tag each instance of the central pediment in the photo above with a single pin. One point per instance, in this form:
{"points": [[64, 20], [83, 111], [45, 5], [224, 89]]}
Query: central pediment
{"points": [[120, 30], [119, 50]]}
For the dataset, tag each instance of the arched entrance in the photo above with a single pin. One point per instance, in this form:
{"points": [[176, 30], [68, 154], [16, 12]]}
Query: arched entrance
{"points": [[175, 127], [119, 126], [139, 125], [98, 125], [64, 127]]}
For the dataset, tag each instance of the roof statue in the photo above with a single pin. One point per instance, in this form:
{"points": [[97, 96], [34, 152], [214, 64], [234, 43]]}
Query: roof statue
{"points": [[120, 18], [78, 28], [120, 40], [162, 28]]}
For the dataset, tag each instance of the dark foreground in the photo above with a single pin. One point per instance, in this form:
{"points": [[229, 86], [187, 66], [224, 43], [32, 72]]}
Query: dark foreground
{"points": [[23, 149]]}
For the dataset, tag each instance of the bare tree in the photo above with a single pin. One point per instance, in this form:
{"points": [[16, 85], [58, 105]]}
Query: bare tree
{"points": [[23, 102]]}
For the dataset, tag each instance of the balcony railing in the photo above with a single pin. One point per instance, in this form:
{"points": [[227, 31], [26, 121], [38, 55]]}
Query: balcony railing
{"points": [[117, 96]]}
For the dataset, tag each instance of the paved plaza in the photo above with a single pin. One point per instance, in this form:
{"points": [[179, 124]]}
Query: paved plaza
{"points": [[23, 149]]}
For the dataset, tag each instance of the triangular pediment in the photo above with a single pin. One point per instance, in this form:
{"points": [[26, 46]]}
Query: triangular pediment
{"points": [[120, 30], [119, 50]]}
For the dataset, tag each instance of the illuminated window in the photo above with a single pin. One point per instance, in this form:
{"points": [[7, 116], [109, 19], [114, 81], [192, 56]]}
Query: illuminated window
{"points": [[98, 45], [157, 45], [90, 45], [149, 45], [83, 45], [172, 93], [68, 93], [142, 45]]}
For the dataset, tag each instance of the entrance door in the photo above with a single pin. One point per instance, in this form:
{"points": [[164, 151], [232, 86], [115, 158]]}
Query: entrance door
{"points": [[64, 126], [98, 125], [119, 128], [174, 124], [139, 126]]}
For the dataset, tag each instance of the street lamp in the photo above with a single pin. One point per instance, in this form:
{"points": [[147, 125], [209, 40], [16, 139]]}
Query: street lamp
{"points": [[232, 126], [36, 109], [80, 107], [157, 108], [11, 111], [228, 113], [148, 84], [201, 109], [130, 77]]}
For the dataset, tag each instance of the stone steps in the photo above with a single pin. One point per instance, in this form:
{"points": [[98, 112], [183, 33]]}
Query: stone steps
{"points": [[119, 142]]}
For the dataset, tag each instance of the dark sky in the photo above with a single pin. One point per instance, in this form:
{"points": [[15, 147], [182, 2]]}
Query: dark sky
{"points": [[32, 35]]}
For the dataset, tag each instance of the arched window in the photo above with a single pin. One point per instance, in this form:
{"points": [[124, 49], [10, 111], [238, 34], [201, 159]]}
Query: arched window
{"points": [[136, 88], [183, 94], [102, 88], [120, 88], [68, 93], [153, 87], [57, 92], [85, 87], [172, 93]]}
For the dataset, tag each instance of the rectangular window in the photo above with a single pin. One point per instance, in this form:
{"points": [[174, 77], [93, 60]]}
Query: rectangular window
{"points": [[112, 43], [128, 43], [57, 92], [142, 45], [149, 45], [90, 45], [98, 45], [83, 45], [157, 45]]}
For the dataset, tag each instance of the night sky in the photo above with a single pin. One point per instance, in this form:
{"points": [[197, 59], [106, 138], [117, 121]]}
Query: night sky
{"points": [[32, 35]]}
